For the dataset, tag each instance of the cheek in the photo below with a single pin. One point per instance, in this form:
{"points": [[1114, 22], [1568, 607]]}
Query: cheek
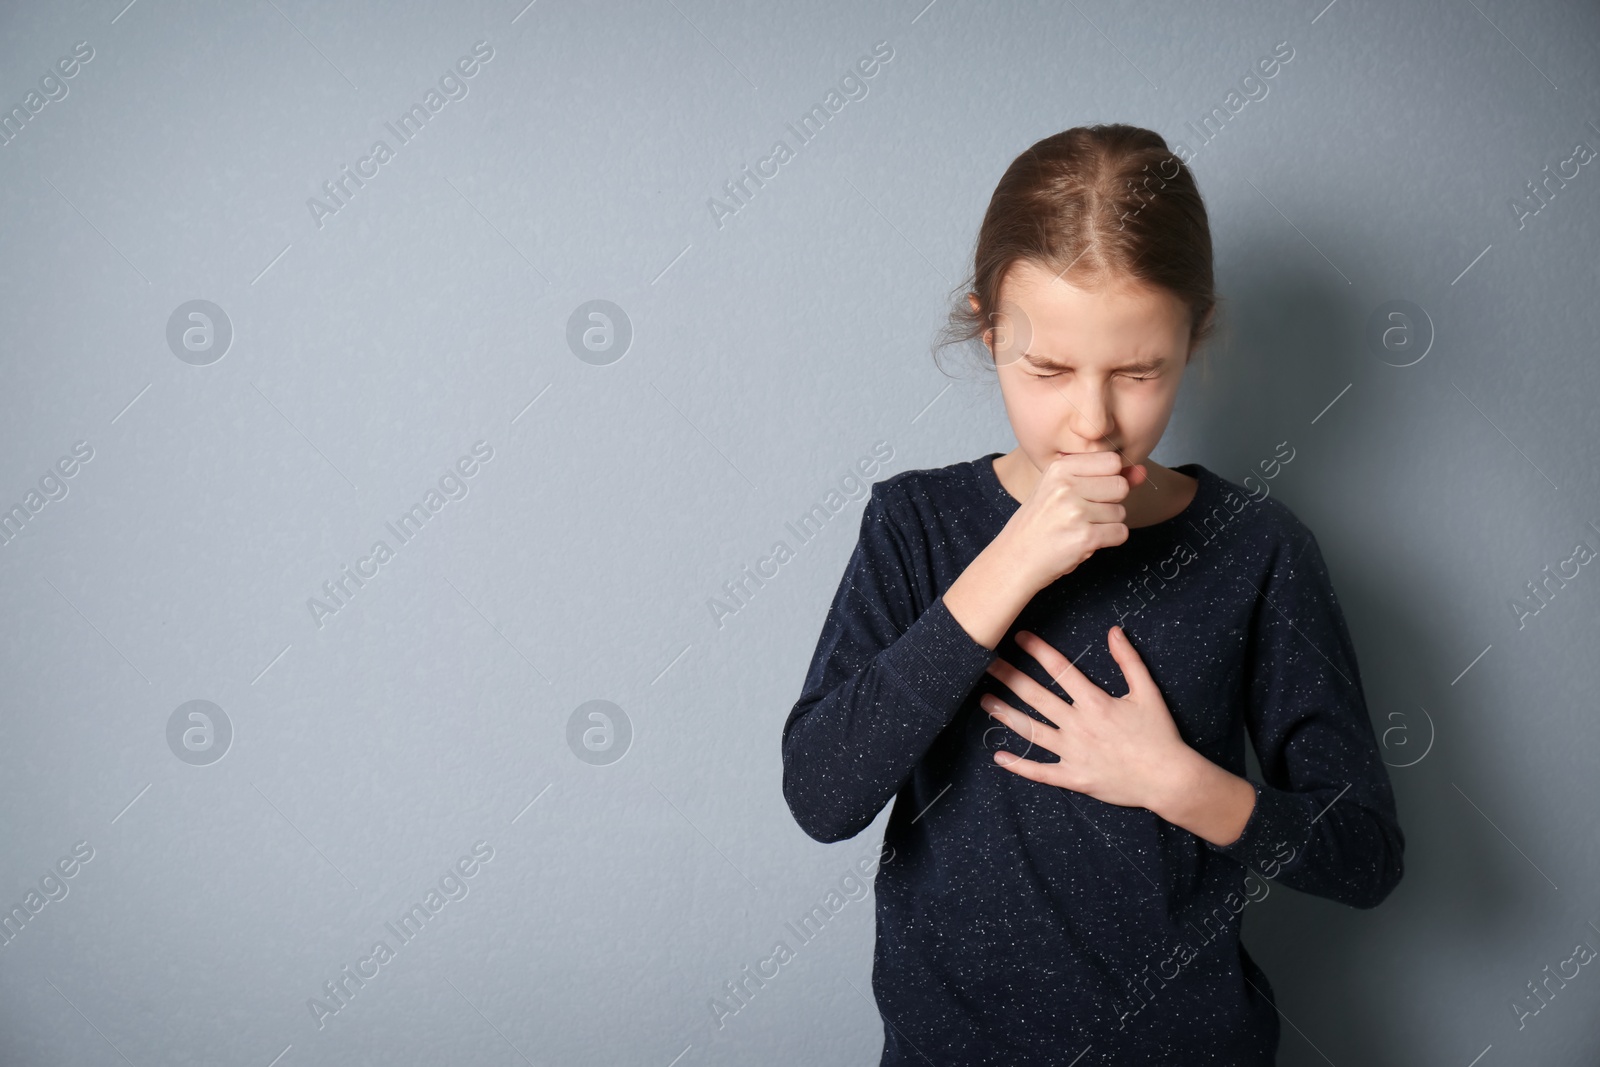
{"points": [[1027, 409], [1150, 412], [1036, 428]]}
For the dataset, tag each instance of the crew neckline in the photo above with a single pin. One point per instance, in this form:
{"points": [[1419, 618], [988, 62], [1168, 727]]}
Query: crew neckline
{"points": [[1008, 504]]}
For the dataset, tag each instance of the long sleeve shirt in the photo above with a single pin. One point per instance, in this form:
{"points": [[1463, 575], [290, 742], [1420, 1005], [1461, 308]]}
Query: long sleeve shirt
{"points": [[1024, 923]]}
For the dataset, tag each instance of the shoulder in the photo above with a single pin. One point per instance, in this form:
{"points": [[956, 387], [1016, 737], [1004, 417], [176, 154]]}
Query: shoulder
{"points": [[1285, 576], [915, 499], [1264, 525]]}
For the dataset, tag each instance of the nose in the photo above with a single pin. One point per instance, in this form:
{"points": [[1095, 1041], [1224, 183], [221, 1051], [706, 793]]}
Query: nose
{"points": [[1088, 413]]}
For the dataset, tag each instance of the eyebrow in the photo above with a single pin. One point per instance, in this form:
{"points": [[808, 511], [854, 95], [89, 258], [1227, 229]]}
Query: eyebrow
{"points": [[1137, 366]]}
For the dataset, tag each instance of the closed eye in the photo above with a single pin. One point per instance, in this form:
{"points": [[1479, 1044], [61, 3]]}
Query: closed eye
{"points": [[1132, 377]]}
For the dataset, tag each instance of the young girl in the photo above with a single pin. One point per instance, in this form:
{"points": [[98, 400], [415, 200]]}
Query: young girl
{"points": [[1050, 659]]}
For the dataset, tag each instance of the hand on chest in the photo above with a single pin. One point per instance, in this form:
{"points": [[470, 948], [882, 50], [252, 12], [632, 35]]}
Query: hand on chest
{"points": [[1196, 657]]}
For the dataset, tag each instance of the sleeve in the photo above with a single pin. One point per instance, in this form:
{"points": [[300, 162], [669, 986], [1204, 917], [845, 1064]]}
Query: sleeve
{"points": [[883, 682], [1324, 818]]}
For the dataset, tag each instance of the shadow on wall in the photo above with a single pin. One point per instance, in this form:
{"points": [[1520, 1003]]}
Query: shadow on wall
{"points": [[1288, 344], [1291, 343]]}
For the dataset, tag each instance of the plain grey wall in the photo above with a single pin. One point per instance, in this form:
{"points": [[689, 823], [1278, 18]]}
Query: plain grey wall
{"points": [[228, 458]]}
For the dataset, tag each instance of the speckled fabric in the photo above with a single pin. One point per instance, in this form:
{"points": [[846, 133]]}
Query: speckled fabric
{"points": [[1022, 923]]}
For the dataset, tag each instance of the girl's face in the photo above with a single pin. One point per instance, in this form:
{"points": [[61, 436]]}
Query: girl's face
{"points": [[1087, 371]]}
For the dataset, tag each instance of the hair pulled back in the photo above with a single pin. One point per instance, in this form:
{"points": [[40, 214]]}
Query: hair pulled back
{"points": [[1098, 206]]}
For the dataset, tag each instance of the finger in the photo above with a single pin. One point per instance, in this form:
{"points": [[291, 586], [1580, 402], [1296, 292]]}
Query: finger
{"points": [[1045, 773], [1100, 461], [1004, 732], [1128, 658], [1028, 691], [1105, 511], [1061, 670], [1095, 475], [1034, 731], [1109, 488]]}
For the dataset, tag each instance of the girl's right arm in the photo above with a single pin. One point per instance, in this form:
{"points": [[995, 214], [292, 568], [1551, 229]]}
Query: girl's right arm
{"points": [[886, 677]]}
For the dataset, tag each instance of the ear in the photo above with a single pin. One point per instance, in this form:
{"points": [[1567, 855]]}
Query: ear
{"points": [[972, 302]]}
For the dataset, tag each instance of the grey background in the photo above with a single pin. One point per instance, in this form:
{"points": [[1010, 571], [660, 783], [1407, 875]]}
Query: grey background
{"points": [[768, 355]]}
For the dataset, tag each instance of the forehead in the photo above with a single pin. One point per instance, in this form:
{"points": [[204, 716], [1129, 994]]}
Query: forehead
{"points": [[1059, 318], [1036, 289]]}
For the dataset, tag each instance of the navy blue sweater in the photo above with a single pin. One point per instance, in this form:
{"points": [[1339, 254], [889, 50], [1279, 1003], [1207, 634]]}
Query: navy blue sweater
{"points": [[1023, 923]]}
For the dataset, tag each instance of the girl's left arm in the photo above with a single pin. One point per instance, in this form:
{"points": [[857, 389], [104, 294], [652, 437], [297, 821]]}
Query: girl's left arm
{"points": [[1324, 819]]}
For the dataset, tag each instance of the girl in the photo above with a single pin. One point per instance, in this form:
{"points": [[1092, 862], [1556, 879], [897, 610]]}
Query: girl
{"points": [[1050, 659]]}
